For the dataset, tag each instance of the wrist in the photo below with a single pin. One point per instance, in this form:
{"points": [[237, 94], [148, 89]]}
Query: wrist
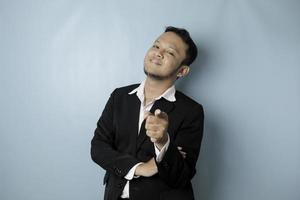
{"points": [[139, 170], [161, 143]]}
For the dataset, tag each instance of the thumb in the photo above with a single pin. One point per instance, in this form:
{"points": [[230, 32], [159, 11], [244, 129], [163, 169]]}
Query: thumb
{"points": [[146, 114]]}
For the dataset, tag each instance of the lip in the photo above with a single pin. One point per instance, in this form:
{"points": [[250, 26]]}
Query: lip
{"points": [[155, 61]]}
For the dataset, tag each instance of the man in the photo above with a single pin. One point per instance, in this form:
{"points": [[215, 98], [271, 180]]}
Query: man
{"points": [[149, 135]]}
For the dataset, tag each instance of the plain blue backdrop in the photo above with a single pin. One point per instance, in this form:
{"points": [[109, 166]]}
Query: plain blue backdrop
{"points": [[61, 59]]}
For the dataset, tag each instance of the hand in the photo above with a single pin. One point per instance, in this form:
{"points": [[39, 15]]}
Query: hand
{"points": [[156, 127], [146, 169], [182, 152]]}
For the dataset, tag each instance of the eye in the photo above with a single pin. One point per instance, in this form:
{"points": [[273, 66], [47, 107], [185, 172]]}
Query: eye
{"points": [[171, 53], [155, 46]]}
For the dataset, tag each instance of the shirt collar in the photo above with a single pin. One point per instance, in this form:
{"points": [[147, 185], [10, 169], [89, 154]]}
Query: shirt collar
{"points": [[169, 94]]}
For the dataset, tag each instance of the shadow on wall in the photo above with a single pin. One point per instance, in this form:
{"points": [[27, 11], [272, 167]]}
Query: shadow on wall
{"points": [[209, 165], [210, 162], [196, 71]]}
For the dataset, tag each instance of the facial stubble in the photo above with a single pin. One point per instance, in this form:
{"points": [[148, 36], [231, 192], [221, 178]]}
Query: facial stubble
{"points": [[161, 77]]}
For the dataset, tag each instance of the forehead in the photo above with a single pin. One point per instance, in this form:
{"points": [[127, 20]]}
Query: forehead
{"points": [[172, 40]]}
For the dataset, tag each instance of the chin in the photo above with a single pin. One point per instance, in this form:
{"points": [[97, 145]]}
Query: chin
{"points": [[154, 75], [148, 68]]}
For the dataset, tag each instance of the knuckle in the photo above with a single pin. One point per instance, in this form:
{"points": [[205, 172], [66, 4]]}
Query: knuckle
{"points": [[148, 133]]}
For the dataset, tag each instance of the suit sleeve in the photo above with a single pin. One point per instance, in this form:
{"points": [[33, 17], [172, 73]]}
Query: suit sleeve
{"points": [[174, 169], [103, 151]]}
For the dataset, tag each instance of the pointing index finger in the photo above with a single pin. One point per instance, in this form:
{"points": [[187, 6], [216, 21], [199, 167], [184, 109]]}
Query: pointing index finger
{"points": [[160, 114]]}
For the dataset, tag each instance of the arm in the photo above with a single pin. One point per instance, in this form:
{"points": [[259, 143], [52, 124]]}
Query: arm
{"points": [[146, 169], [174, 169], [103, 151], [149, 168]]}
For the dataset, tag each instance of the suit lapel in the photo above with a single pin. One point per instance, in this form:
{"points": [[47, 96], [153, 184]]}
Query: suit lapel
{"points": [[163, 105], [131, 122]]}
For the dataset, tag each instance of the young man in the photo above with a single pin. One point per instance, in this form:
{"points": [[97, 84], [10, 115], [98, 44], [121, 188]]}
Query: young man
{"points": [[149, 135]]}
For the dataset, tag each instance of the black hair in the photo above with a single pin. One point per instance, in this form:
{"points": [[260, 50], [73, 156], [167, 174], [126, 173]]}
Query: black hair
{"points": [[192, 51]]}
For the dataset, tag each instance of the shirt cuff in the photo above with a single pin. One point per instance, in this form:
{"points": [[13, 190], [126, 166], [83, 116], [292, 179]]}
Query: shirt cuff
{"points": [[130, 175], [160, 153]]}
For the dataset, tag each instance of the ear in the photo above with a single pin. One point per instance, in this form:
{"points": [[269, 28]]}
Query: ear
{"points": [[183, 71]]}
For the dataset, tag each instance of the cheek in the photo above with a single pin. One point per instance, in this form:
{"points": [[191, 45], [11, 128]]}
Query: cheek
{"points": [[171, 63], [146, 58], [150, 52], [148, 55]]}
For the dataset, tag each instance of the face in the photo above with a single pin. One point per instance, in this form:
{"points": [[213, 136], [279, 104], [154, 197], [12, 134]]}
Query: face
{"points": [[163, 60]]}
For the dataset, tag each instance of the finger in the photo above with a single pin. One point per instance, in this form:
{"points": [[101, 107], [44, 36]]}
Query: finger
{"points": [[152, 127], [157, 112], [160, 114], [153, 140], [179, 148], [146, 114], [152, 134], [150, 118], [150, 121], [183, 155]]}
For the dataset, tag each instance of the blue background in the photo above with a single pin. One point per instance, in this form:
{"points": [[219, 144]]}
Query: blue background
{"points": [[60, 60]]}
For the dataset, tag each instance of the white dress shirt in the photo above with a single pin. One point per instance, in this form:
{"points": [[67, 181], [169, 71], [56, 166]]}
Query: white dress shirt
{"points": [[169, 95]]}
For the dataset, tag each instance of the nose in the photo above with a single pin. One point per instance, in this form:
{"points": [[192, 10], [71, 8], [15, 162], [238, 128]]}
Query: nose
{"points": [[159, 54]]}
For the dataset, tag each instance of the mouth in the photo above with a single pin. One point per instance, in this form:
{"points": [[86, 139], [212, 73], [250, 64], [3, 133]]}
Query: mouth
{"points": [[155, 61]]}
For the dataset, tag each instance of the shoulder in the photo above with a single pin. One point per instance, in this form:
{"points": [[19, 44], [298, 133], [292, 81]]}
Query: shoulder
{"points": [[187, 104], [124, 90]]}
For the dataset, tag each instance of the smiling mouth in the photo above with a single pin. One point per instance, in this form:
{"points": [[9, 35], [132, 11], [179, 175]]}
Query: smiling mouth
{"points": [[155, 61]]}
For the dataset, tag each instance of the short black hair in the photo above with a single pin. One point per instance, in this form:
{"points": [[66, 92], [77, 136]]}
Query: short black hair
{"points": [[192, 50]]}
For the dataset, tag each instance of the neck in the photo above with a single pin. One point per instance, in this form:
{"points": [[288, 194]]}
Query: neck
{"points": [[154, 88]]}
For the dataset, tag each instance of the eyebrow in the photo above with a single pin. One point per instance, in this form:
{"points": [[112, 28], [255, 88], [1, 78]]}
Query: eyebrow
{"points": [[172, 47]]}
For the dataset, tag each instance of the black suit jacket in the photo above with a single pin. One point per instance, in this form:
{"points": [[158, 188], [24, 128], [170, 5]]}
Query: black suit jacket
{"points": [[117, 147]]}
